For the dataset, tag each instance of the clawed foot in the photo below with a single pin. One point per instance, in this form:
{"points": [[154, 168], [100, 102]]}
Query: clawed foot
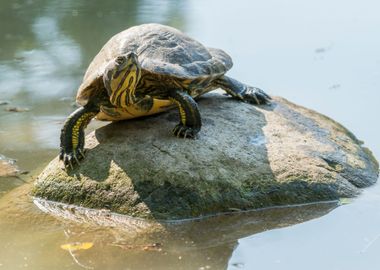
{"points": [[255, 96], [72, 135], [71, 158], [182, 131]]}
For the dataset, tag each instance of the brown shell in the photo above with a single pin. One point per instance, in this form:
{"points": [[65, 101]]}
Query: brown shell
{"points": [[161, 50]]}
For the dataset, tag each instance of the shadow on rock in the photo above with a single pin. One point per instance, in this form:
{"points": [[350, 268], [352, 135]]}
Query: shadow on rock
{"points": [[173, 178]]}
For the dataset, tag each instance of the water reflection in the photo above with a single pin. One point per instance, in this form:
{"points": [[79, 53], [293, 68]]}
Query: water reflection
{"points": [[43, 70], [189, 245], [273, 44], [46, 47]]}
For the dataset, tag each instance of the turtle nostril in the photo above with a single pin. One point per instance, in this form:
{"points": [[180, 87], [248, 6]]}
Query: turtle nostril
{"points": [[120, 59]]}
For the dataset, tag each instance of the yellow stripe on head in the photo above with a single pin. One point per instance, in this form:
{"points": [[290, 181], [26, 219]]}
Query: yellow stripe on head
{"points": [[122, 77], [127, 85], [123, 101]]}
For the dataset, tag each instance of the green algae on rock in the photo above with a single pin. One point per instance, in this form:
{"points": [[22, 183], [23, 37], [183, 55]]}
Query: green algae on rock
{"points": [[245, 157]]}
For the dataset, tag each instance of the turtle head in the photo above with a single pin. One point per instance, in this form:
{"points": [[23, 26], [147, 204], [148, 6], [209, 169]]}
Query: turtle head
{"points": [[122, 74]]}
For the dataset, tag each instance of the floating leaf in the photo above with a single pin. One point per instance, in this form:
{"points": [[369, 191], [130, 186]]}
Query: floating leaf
{"points": [[77, 246]]}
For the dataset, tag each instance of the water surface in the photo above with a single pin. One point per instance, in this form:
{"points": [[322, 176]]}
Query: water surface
{"points": [[321, 54]]}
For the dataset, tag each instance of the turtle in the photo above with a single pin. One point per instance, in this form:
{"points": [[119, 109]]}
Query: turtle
{"points": [[144, 70]]}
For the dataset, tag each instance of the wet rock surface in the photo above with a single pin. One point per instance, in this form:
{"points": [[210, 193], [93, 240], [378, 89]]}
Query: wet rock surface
{"points": [[245, 157]]}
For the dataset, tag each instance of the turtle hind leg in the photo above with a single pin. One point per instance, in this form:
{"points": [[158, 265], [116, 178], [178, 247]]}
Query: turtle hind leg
{"points": [[190, 118], [242, 91], [72, 135]]}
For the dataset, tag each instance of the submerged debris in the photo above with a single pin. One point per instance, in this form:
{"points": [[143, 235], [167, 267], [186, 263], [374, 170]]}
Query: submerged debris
{"points": [[16, 109], [323, 49], [148, 247], [320, 50], [334, 86], [4, 102]]}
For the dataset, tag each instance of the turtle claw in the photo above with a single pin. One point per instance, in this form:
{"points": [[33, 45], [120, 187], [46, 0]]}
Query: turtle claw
{"points": [[181, 131], [76, 159], [256, 96], [81, 152], [71, 164], [71, 159]]}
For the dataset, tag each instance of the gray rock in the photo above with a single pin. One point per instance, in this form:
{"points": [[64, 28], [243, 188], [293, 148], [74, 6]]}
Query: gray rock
{"points": [[245, 157]]}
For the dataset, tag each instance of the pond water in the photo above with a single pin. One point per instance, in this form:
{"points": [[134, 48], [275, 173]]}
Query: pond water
{"points": [[320, 54]]}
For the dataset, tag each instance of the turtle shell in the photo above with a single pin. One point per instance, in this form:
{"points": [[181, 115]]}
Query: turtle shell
{"points": [[161, 50]]}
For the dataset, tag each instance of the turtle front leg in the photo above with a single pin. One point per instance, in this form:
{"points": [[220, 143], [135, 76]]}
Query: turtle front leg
{"points": [[190, 118], [72, 135], [242, 91]]}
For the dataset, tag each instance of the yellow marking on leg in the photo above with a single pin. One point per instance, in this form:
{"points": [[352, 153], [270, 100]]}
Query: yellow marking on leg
{"points": [[82, 122], [182, 112]]}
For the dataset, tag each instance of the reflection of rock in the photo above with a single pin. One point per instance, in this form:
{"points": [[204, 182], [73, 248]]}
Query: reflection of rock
{"points": [[199, 243], [245, 157], [204, 232], [134, 226], [8, 167], [203, 242]]}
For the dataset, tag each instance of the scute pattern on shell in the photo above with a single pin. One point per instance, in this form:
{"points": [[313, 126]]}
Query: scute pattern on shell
{"points": [[162, 50]]}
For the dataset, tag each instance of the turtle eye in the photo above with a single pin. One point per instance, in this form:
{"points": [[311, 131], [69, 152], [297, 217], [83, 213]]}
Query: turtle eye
{"points": [[120, 60]]}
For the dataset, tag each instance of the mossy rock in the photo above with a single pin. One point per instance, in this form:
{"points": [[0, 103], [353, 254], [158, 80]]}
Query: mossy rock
{"points": [[245, 157]]}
